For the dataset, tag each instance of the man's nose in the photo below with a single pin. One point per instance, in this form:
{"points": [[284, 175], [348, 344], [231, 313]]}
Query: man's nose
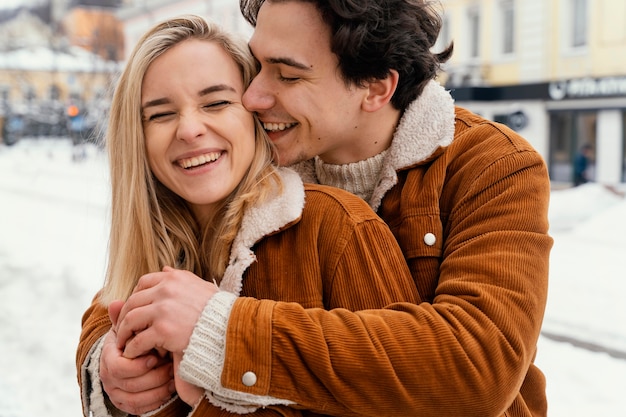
{"points": [[258, 97]]}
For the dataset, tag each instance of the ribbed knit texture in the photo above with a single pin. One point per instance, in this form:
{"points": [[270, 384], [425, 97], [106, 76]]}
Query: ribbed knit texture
{"points": [[206, 345], [203, 360], [359, 178]]}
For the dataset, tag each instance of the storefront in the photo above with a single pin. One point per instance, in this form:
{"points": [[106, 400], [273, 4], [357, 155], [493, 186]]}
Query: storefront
{"points": [[558, 118]]}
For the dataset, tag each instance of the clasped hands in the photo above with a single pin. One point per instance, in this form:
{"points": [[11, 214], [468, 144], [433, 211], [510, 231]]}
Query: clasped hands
{"points": [[142, 351]]}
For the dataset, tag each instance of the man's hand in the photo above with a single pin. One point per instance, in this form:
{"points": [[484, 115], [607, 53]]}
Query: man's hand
{"points": [[162, 312], [137, 385]]}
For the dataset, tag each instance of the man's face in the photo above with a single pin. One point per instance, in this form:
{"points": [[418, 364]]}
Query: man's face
{"points": [[299, 94]]}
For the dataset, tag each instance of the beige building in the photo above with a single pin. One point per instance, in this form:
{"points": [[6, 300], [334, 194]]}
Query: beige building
{"points": [[139, 15], [555, 70], [37, 63]]}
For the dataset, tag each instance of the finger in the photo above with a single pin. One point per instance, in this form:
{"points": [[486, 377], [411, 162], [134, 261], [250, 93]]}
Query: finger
{"points": [[115, 308], [138, 296], [143, 401], [138, 404], [134, 317], [168, 269], [143, 342], [152, 279], [143, 379], [115, 367]]}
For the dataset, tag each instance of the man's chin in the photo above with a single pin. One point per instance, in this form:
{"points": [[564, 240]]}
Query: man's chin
{"points": [[285, 159]]}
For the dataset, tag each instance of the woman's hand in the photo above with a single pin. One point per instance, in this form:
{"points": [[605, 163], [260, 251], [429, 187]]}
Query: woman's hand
{"points": [[162, 312]]}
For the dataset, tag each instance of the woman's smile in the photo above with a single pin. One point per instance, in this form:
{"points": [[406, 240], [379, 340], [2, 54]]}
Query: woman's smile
{"points": [[196, 161]]}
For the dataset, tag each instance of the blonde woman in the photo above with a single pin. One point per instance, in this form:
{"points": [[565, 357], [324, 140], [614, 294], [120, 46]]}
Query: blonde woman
{"points": [[202, 216]]}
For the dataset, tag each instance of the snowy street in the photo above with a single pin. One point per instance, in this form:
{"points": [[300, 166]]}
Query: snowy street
{"points": [[53, 237]]}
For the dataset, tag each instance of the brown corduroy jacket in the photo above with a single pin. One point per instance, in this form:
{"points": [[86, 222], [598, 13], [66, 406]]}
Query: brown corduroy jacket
{"points": [[472, 221], [467, 200], [337, 255]]}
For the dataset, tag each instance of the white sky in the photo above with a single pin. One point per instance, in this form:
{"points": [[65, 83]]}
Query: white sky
{"points": [[53, 224]]}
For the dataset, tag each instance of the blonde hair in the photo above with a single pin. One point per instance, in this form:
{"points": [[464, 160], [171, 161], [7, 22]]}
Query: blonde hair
{"points": [[152, 227]]}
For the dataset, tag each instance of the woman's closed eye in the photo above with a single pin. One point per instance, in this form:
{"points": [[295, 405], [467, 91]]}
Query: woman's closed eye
{"points": [[159, 116]]}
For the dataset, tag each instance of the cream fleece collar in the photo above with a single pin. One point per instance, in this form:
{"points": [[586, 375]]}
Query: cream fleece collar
{"points": [[260, 221], [427, 124]]}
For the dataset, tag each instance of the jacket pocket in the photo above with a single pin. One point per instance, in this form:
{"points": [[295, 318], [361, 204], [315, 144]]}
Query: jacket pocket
{"points": [[420, 236]]}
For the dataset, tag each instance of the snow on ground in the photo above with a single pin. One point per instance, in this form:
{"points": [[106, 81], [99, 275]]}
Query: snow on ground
{"points": [[53, 232]]}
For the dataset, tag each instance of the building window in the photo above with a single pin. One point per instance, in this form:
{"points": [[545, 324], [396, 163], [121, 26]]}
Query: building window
{"points": [[578, 13], [507, 20], [569, 131], [473, 20]]}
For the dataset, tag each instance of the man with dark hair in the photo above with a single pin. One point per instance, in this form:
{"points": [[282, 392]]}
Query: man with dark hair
{"points": [[346, 91]]}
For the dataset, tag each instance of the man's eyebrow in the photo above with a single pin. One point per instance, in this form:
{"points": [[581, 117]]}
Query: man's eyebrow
{"points": [[203, 92], [289, 62]]}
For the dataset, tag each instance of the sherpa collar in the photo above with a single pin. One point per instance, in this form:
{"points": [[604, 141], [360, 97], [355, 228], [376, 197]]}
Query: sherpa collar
{"points": [[427, 124], [260, 221]]}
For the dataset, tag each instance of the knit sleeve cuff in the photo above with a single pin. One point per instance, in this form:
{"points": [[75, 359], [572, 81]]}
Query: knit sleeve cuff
{"points": [[203, 360]]}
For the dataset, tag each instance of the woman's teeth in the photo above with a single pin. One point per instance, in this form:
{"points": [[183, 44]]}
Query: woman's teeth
{"points": [[273, 127], [199, 160]]}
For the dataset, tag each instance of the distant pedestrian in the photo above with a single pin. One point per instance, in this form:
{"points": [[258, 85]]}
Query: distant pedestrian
{"points": [[581, 165], [75, 124]]}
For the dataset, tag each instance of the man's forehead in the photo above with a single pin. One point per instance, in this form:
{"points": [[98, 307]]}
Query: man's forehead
{"points": [[281, 35]]}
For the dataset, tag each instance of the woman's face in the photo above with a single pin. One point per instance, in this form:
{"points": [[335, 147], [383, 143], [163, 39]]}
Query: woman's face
{"points": [[199, 137]]}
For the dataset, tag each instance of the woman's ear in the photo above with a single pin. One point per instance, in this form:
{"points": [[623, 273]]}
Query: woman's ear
{"points": [[380, 92]]}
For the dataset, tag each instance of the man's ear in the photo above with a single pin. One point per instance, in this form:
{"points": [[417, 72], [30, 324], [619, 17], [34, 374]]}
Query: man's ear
{"points": [[380, 92]]}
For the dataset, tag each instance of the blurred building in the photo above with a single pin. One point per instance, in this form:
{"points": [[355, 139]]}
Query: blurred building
{"points": [[139, 15], [43, 57], [554, 70], [56, 54], [95, 29]]}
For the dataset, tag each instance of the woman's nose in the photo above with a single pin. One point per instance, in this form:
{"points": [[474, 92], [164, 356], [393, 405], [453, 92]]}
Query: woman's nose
{"points": [[190, 127]]}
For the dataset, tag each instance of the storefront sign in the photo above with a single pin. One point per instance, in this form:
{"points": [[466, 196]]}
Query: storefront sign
{"points": [[588, 88]]}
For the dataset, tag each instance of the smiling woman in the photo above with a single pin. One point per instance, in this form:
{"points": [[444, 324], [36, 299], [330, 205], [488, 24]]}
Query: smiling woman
{"points": [[199, 137], [197, 202]]}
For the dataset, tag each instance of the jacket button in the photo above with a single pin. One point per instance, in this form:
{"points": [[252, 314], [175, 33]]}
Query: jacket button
{"points": [[429, 239], [249, 379]]}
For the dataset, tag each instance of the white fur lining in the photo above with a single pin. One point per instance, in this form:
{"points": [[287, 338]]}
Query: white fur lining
{"points": [[203, 360], [93, 397], [260, 221], [426, 125]]}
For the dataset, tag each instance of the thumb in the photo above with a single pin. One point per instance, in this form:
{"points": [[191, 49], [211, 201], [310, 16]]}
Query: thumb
{"points": [[168, 269], [115, 307]]}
